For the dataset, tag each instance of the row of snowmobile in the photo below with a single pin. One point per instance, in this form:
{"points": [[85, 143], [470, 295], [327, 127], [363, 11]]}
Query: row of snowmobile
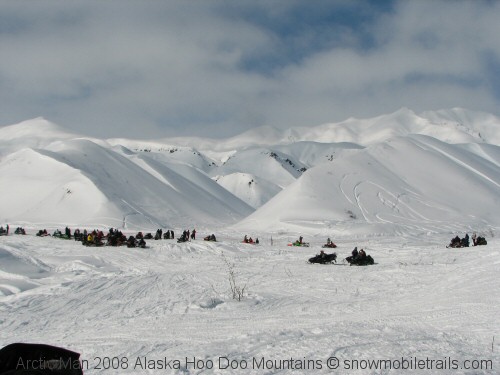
{"points": [[5, 231], [329, 244], [357, 258], [458, 242]]}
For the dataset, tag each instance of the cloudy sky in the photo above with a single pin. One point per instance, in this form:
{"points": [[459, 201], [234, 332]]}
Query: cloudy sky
{"points": [[148, 69]]}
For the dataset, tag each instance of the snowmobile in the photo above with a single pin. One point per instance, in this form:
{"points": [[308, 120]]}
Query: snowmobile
{"points": [[182, 239], [20, 230], [323, 258], [365, 261], [250, 241], [59, 234], [480, 241], [330, 245], [42, 233], [458, 243], [297, 243]]}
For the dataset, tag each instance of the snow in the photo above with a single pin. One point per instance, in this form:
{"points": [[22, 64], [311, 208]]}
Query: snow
{"points": [[249, 188], [172, 300], [413, 184], [399, 185]]}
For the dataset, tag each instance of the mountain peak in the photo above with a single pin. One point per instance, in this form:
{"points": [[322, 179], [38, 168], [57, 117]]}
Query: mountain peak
{"points": [[38, 127]]}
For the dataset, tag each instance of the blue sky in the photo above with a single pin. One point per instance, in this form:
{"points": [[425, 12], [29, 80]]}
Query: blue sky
{"points": [[148, 69]]}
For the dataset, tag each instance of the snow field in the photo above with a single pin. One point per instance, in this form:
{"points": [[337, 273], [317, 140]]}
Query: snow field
{"points": [[173, 301]]}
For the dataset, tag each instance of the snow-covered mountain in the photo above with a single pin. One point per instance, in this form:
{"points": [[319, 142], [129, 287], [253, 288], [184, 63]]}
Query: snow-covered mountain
{"points": [[414, 182], [397, 172]]}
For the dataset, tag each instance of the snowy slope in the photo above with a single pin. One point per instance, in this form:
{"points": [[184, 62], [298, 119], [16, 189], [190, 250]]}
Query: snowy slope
{"points": [[249, 188], [396, 169], [80, 182], [414, 183], [37, 188]]}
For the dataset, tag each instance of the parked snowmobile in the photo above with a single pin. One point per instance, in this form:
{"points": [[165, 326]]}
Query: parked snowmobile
{"points": [[250, 240], [362, 262], [478, 240], [58, 234], [359, 258], [20, 230], [210, 237], [132, 241], [42, 233], [457, 242], [481, 241], [331, 245], [299, 242], [323, 258]]}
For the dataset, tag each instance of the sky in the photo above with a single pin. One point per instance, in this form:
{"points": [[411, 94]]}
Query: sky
{"points": [[215, 68]]}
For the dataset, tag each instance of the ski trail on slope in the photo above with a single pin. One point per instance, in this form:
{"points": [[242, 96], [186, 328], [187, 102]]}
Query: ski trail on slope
{"points": [[463, 164]]}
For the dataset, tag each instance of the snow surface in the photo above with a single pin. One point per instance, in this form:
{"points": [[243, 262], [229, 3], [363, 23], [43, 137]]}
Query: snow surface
{"points": [[400, 185], [420, 300]]}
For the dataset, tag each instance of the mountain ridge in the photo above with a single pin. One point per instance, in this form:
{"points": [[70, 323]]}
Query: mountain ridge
{"points": [[261, 180]]}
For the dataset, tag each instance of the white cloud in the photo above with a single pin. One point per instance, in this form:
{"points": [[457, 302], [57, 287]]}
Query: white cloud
{"points": [[156, 69]]}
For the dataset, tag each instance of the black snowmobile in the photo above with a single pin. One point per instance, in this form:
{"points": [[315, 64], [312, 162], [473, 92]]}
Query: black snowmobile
{"points": [[20, 230], [360, 261], [477, 241], [457, 242], [323, 258], [481, 241]]}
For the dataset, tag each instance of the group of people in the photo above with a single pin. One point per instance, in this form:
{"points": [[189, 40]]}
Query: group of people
{"points": [[187, 235], [67, 233], [20, 230], [247, 239], [168, 235], [329, 244], [136, 242], [458, 242], [359, 258], [299, 242], [116, 238], [42, 233]]}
